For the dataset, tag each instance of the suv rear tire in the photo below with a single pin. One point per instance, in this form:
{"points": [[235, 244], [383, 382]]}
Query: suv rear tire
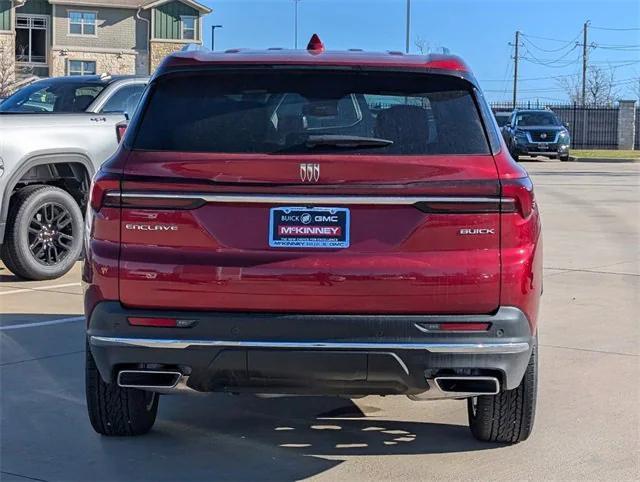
{"points": [[116, 411], [508, 416], [39, 215]]}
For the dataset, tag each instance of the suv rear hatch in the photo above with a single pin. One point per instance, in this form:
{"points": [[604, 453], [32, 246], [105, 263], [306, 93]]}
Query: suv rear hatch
{"points": [[308, 190]]}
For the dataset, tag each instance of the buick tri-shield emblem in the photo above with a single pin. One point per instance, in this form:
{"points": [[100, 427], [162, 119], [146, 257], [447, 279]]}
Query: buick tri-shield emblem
{"points": [[309, 172]]}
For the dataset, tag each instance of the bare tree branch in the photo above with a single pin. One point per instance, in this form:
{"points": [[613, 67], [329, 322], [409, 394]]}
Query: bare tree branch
{"points": [[421, 45], [7, 70], [600, 86]]}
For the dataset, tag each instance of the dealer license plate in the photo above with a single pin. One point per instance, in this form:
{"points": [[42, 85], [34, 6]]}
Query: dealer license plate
{"points": [[315, 227]]}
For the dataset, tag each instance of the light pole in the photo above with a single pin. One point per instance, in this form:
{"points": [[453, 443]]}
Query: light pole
{"points": [[295, 24], [408, 26], [213, 36]]}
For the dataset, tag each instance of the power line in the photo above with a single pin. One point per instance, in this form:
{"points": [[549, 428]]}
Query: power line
{"points": [[550, 61], [530, 78], [616, 29], [568, 43], [552, 39], [564, 65]]}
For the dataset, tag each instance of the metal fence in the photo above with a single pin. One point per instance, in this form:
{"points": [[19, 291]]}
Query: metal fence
{"points": [[636, 144], [591, 127]]}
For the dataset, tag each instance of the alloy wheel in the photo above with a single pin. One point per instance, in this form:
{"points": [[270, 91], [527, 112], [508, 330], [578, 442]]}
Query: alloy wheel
{"points": [[50, 233]]}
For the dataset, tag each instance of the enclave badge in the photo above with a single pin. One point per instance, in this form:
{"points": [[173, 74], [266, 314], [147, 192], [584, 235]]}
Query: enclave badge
{"points": [[309, 172]]}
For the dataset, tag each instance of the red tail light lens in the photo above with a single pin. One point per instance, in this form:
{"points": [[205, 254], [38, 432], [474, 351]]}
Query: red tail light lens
{"points": [[161, 322], [454, 326], [103, 182], [518, 196], [121, 128]]}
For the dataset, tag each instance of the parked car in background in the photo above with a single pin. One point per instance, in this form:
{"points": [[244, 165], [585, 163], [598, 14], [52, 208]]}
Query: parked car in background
{"points": [[355, 226], [54, 134], [536, 132], [502, 118]]}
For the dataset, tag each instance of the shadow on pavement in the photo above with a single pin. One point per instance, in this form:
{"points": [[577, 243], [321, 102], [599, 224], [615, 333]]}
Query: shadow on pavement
{"points": [[47, 435], [288, 438]]}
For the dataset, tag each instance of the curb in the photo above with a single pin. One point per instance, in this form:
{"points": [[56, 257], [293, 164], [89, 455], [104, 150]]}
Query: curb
{"points": [[603, 159]]}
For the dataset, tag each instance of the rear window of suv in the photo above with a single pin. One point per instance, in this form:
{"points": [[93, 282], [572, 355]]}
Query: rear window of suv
{"points": [[311, 111]]}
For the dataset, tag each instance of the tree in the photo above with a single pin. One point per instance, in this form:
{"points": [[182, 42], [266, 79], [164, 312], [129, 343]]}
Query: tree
{"points": [[636, 88], [422, 45], [7, 71], [600, 86]]}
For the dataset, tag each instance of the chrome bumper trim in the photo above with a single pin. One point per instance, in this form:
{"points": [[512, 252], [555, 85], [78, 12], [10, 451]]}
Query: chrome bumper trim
{"points": [[305, 200], [458, 348]]}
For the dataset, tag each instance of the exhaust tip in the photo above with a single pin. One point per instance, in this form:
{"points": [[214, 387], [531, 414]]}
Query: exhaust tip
{"points": [[466, 386], [148, 379]]}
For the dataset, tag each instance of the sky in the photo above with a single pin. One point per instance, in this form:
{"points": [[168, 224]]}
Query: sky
{"points": [[480, 31]]}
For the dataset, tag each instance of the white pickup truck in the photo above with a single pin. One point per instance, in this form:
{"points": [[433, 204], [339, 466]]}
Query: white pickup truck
{"points": [[54, 134]]}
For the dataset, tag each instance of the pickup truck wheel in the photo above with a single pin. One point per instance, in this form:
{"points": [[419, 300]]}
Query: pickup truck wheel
{"points": [[508, 416], [116, 411], [44, 233]]}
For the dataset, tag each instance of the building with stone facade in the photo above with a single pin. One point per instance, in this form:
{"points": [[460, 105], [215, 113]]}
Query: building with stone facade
{"points": [[80, 37]]}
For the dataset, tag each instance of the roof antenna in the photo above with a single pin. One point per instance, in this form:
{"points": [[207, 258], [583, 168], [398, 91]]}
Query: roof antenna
{"points": [[315, 45]]}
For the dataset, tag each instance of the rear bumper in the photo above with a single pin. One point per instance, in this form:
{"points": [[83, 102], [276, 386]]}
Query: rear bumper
{"points": [[311, 354]]}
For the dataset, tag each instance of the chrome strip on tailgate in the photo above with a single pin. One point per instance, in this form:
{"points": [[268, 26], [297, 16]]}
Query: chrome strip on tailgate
{"points": [[459, 348], [307, 199]]}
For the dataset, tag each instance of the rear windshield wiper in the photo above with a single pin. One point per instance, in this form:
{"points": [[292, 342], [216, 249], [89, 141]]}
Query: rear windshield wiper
{"points": [[349, 142]]}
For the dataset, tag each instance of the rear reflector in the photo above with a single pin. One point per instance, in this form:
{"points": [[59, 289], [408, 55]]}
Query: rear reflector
{"points": [[453, 326], [166, 322], [162, 322]]}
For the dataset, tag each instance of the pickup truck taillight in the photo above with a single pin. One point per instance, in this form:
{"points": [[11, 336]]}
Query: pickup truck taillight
{"points": [[519, 196], [121, 128]]}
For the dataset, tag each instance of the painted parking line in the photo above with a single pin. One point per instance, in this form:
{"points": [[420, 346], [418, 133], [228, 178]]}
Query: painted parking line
{"points": [[38, 288], [75, 319]]}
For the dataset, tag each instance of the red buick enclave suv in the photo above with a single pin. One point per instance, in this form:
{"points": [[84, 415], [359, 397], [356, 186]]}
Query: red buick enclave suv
{"points": [[313, 222]]}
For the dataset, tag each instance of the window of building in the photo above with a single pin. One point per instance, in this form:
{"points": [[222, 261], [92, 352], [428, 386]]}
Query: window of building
{"points": [[31, 39], [188, 27], [82, 23], [82, 67]]}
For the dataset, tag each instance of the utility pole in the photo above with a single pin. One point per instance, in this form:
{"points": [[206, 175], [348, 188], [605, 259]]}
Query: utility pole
{"points": [[408, 40], [213, 36], [585, 53], [295, 24], [516, 58]]}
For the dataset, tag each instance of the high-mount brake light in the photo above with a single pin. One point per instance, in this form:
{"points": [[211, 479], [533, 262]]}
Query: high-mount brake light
{"points": [[315, 44], [447, 64], [518, 196]]}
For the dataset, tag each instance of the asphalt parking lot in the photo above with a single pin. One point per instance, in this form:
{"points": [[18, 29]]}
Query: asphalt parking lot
{"points": [[588, 421]]}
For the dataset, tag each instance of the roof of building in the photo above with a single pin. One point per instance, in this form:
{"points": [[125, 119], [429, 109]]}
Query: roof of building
{"points": [[133, 4]]}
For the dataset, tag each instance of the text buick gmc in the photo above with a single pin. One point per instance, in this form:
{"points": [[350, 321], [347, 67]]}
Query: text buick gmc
{"points": [[313, 222]]}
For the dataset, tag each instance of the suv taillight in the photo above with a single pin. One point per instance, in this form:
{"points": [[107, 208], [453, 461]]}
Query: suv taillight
{"points": [[103, 183], [519, 197]]}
